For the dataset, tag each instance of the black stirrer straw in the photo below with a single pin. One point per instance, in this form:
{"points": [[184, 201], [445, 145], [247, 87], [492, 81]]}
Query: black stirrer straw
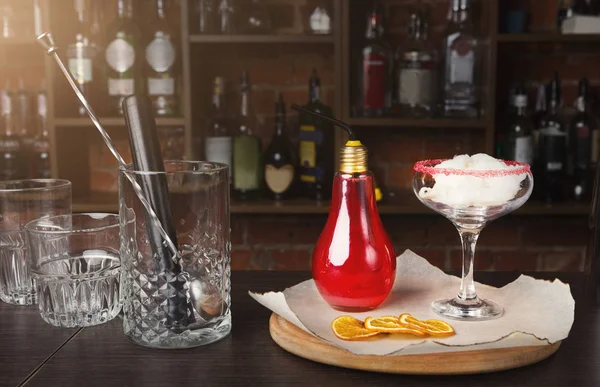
{"points": [[343, 125], [146, 156]]}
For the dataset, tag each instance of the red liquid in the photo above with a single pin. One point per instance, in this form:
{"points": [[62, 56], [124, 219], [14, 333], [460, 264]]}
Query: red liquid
{"points": [[354, 264]]}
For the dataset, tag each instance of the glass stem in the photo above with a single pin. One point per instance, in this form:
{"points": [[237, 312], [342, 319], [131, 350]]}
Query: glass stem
{"points": [[467, 285]]}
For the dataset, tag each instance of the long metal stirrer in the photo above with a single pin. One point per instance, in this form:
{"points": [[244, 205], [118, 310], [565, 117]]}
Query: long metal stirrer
{"points": [[47, 41]]}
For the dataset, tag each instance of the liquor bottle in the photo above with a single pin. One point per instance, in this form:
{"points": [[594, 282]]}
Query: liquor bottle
{"points": [[553, 147], [416, 71], [121, 57], [218, 142], [40, 167], [583, 139], [375, 96], [11, 155], [253, 18], [207, 16], [247, 164], [316, 142], [538, 117], [280, 159], [519, 131], [160, 64], [22, 127], [461, 60], [226, 13], [80, 56]]}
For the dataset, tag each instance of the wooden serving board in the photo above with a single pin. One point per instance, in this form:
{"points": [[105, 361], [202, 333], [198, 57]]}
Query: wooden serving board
{"points": [[300, 343]]}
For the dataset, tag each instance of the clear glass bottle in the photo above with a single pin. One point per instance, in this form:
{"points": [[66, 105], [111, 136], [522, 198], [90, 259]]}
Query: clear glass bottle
{"points": [[226, 12], [316, 141], [161, 72], [280, 158], [375, 94], [247, 163], [218, 143], [40, 167], [207, 16], [81, 53], [584, 140], [519, 131], [461, 61], [123, 70], [553, 148], [23, 121], [11, 153], [416, 75]]}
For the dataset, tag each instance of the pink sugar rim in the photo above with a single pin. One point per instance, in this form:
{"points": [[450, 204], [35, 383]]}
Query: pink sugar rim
{"points": [[428, 167]]}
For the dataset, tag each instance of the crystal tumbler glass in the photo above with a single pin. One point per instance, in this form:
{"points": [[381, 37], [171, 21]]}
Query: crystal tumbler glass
{"points": [[76, 265], [190, 305], [22, 201]]}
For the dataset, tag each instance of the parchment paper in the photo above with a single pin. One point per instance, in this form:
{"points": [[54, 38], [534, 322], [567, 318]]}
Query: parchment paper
{"points": [[536, 312]]}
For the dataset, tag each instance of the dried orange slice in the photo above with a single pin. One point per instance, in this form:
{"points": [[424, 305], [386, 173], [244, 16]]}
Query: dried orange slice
{"points": [[431, 327], [349, 328], [390, 324]]}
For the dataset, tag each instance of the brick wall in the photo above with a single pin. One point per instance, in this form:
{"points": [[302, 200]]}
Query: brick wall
{"points": [[510, 243]]}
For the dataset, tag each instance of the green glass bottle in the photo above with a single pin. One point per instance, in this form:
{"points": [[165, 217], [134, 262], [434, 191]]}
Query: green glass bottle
{"points": [[247, 163]]}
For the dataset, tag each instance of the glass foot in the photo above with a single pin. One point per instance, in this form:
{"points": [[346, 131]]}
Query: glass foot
{"points": [[460, 309]]}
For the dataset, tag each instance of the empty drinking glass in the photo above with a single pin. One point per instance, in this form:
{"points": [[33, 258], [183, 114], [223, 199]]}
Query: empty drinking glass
{"points": [[22, 201], [183, 300], [76, 264]]}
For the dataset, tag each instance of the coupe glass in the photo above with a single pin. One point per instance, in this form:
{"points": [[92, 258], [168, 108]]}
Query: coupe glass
{"points": [[470, 199]]}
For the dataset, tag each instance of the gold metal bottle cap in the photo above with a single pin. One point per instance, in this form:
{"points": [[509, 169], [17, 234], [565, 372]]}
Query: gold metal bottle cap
{"points": [[353, 157]]}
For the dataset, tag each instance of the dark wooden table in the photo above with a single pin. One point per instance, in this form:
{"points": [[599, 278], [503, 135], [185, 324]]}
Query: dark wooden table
{"points": [[35, 354]]}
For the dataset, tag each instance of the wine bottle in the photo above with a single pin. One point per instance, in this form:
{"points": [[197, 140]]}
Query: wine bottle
{"points": [[316, 142], [280, 160], [160, 62], [218, 142], [247, 164], [122, 57], [584, 145], [519, 134], [553, 147]]}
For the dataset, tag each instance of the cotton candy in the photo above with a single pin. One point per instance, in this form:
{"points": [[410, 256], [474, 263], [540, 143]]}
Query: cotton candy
{"points": [[464, 190]]}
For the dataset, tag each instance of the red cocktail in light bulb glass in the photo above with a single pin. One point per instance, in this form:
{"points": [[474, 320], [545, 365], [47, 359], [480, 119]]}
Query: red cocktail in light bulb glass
{"points": [[354, 264]]}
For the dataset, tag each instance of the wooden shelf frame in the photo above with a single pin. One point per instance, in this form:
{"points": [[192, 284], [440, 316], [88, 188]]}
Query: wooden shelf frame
{"points": [[113, 121], [411, 206], [393, 122], [223, 39], [548, 38]]}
